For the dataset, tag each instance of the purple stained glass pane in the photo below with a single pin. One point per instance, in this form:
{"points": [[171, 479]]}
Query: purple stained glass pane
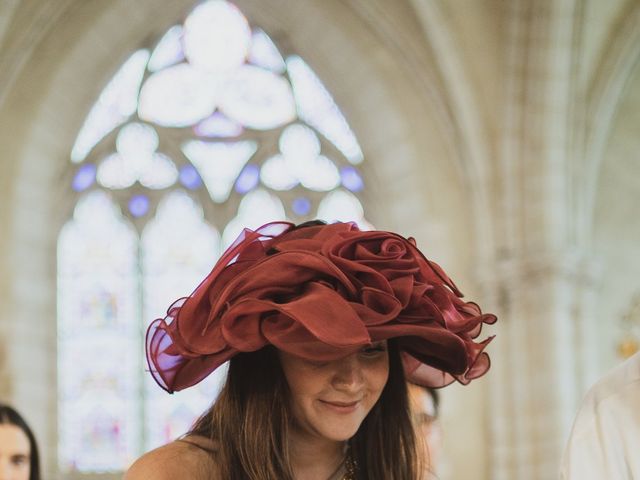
{"points": [[248, 179], [351, 179], [301, 206], [84, 177], [139, 205], [189, 177], [218, 126]]}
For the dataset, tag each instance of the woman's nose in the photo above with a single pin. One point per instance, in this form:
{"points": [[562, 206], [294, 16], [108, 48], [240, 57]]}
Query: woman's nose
{"points": [[348, 374]]}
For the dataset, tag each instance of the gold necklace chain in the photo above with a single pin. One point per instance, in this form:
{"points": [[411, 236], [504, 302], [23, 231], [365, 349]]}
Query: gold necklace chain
{"points": [[350, 467]]}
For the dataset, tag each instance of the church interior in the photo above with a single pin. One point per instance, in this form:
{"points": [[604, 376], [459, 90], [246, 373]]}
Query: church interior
{"points": [[502, 135]]}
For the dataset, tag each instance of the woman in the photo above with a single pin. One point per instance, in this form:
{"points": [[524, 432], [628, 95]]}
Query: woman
{"points": [[18, 450], [320, 323]]}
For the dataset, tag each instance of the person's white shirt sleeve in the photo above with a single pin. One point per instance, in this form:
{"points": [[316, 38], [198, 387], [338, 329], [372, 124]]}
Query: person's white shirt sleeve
{"points": [[605, 440]]}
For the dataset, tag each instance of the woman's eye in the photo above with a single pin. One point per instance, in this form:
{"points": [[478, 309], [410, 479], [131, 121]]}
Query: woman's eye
{"points": [[316, 363], [373, 350], [19, 460]]}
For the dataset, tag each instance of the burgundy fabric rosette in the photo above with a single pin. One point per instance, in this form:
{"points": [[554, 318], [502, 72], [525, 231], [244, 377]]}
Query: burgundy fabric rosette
{"points": [[321, 292]]}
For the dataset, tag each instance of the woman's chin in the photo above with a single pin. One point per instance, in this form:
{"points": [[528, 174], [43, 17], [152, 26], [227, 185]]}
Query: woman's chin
{"points": [[340, 434]]}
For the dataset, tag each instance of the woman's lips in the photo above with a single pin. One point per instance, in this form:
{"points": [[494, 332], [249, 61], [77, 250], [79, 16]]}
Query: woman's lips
{"points": [[341, 407]]}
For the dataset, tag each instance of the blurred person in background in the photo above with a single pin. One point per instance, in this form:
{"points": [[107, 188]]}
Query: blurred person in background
{"points": [[18, 450], [605, 439], [424, 406]]}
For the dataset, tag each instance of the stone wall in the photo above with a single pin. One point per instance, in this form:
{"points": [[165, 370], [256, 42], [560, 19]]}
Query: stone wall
{"points": [[503, 135]]}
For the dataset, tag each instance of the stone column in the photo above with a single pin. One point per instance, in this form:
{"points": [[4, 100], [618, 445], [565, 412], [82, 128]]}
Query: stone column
{"points": [[538, 361], [542, 279]]}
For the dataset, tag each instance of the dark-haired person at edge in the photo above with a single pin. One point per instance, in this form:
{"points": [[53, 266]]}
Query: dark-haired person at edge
{"points": [[322, 325], [424, 405], [18, 449]]}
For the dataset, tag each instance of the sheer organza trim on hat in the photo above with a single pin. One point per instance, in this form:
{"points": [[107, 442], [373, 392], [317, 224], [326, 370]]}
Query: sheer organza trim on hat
{"points": [[321, 292]]}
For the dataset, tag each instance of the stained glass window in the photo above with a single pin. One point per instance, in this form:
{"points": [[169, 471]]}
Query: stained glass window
{"points": [[168, 51], [219, 163], [136, 160], [210, 130], [178, 249], [117, 102], [98, 342]]}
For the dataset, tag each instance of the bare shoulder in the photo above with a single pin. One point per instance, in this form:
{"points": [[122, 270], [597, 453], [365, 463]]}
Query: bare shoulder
{"points": [[189, 458]]}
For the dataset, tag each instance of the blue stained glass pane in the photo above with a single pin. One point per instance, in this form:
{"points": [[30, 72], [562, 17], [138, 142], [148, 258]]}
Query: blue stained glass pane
{"points": [[351, 179], [139, 205], [301, 206], [189, 177], [248, 179], [84, 178]]}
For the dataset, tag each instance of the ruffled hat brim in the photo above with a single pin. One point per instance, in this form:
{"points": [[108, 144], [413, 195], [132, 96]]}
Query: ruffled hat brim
{"points": [[320, 293]]}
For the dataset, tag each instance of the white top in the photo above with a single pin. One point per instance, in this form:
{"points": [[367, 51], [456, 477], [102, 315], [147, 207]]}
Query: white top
{"points": [[605, 440]]}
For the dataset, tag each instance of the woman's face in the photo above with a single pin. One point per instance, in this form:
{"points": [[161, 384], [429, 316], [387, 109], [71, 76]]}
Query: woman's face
{"points": [[15, 453], [331, 399]]}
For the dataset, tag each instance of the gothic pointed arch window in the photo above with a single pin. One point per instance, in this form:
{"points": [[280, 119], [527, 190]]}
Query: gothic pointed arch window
{"points": [[209, 131]]}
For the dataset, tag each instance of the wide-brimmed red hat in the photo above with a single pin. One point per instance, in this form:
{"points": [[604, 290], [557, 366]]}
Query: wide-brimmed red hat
{"points": [[321, 292]]}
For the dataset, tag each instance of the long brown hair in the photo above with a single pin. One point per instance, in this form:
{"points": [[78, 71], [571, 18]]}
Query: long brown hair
{"points": [[8, 416], [250, 423]]}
